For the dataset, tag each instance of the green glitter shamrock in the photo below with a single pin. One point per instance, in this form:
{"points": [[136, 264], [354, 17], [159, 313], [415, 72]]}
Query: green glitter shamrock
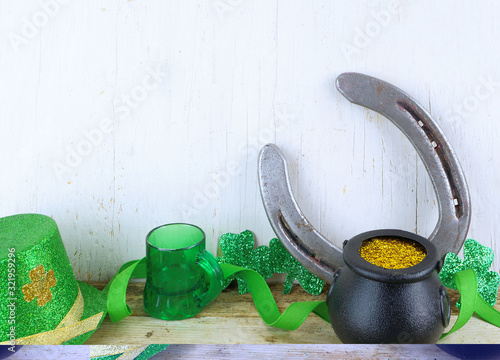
{"points": [[284, 262], [238, 249], [476, 257]]}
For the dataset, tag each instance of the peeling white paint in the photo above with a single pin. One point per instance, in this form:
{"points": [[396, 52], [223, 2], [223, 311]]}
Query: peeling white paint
{"points": [[225, 79]]}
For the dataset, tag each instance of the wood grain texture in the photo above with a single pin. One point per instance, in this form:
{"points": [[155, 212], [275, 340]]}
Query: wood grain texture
{"points": [[53, 352], [216, 352], [232, 76], [233, 319], [320, 352]]}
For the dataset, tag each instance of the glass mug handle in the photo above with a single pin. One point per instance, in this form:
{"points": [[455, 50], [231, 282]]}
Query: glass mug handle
{"points": [[208, 262]]}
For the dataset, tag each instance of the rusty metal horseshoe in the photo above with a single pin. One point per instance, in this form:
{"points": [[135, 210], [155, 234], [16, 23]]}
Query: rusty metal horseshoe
{"points": [[313, 250]]}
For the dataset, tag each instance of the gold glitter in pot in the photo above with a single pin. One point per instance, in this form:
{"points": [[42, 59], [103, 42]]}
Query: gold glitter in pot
{"points": [[392, 253]]}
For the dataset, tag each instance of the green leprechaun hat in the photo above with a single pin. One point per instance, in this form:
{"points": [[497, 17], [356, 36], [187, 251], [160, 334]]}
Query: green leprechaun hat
{"points": [[41, 302]]}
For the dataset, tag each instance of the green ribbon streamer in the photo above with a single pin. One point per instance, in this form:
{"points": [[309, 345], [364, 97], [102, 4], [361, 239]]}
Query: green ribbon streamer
{"points": [[293, 316], [291, 319], [297, 312], [117, 288], [472, 302]]}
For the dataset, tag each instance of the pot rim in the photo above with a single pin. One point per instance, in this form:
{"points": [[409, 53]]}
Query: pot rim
{"points": [[356, 263]]}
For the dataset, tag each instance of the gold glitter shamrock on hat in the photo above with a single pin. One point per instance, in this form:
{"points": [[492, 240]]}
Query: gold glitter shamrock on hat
{"points": [[40, 285], [476, 257], [238, 249]]}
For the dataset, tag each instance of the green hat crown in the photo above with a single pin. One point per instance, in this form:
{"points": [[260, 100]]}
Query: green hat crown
{"points": [[38, 287]]}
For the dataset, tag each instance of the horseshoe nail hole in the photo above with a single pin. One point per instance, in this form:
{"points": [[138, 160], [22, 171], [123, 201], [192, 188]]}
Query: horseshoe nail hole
{"points": [[421, 123], [455, 201], [434, 144]]}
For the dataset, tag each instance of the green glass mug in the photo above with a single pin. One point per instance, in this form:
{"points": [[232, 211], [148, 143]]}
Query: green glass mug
{"points": [[182, 277]]}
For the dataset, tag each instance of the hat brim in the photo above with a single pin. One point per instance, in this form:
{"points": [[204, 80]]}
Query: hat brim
{"points": [[95, 303]]}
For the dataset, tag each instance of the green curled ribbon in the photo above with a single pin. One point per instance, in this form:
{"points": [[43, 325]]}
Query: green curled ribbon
{"points": [[293, 316], [472, 302], [117, 288], [291, 319]]}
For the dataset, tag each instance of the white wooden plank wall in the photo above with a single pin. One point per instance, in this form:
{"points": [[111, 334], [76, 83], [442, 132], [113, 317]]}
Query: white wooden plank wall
{"points": [[177, 98]]}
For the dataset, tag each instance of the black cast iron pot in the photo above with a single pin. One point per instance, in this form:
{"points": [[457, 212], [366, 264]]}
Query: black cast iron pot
{"points": [[371, 304]]}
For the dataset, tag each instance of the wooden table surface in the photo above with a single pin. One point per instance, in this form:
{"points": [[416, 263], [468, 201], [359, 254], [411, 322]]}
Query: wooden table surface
{"points": [[233, 319], [316, 352], [244, 352], [52, 352]]}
